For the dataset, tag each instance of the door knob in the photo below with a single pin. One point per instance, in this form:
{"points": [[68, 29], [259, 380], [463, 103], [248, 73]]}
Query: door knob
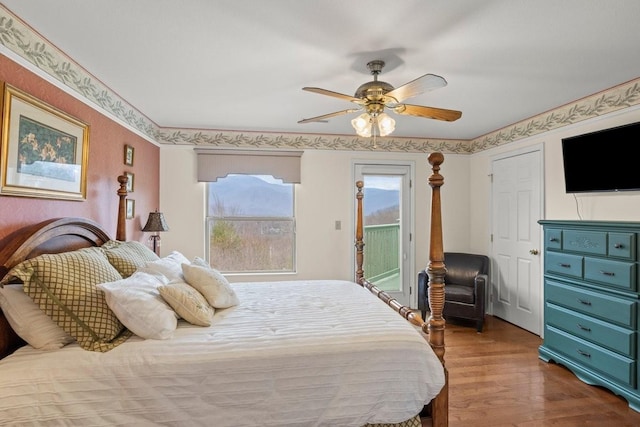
{"points": [[533, 252]]}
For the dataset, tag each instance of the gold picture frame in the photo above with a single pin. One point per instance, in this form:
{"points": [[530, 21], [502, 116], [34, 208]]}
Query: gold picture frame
{"points": [[128, 155], [130, 208], [44, 150], [130, 179]]}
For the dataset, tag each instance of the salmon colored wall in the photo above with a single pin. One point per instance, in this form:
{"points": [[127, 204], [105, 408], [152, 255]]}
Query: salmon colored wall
{"points": [[106, 155]]}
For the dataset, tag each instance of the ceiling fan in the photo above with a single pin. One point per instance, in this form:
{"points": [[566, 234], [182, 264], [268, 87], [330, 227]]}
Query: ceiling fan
{"points": [[374, 96]]}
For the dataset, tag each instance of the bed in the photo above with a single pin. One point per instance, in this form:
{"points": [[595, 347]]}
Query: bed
{"points": [[295, 353]]}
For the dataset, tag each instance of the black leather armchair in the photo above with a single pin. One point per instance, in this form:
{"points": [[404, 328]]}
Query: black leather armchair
{"points": [[465, 283]]}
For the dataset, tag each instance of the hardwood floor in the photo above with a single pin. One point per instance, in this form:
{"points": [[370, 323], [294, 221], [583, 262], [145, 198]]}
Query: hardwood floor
{"points": [[496, 379]]}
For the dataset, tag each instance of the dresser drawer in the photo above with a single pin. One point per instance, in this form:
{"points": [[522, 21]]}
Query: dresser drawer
{"points": [[617, 274], [553, 238], [613, 337], [565, 264], [588, 242], [606, 307], [613, 365], [622, 245]]}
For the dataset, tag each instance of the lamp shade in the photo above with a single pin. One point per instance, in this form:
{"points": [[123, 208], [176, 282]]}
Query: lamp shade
{"points": [[156, 222]]}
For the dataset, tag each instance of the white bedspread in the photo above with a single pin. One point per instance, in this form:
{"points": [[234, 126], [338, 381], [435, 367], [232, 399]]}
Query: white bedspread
{"points": [[298, 353]]}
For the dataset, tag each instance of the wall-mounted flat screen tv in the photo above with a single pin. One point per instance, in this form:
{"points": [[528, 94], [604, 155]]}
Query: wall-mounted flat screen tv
{"points": [[600, 161]]}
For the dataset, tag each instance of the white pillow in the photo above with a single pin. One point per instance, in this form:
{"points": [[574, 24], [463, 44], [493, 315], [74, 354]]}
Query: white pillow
{"points": [[187, 303], [201, 262], [137, 303], [29, 321], [169, 266], [211, 284]]}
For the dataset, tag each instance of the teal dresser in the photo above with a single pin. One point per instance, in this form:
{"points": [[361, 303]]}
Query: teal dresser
{"points": [[591, 297]]}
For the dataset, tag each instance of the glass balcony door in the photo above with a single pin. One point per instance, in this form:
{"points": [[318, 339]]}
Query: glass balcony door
{"points": [[388, 251]]}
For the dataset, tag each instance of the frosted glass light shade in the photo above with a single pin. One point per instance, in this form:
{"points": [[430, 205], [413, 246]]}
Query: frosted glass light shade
{"points": [[362, 125], [386, 124]]}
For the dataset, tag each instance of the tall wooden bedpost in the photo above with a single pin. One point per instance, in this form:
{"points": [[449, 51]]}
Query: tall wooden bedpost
{"points": [[121, 229], [359, 234], [436, 270]]}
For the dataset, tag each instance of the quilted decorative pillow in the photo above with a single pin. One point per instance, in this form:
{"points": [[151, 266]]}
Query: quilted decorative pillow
{"points": [[137, 303], [169, 266], [127, 257], [29, 322], [64, 287], [211, 284], [188, 303]]}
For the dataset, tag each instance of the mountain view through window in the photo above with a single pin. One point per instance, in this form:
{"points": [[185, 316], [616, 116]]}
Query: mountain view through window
{"points": [[251, 224]]}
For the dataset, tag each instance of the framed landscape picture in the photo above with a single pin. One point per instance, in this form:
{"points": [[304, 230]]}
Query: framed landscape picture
{"points": [[44, 150]]}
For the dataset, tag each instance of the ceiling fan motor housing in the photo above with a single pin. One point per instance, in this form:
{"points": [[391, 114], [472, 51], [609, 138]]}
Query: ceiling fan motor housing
{"points": [[374, 90], [374, 95]]}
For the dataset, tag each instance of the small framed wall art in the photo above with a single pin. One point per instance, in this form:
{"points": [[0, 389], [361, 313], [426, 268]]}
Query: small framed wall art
{"points": [[44, 150], [128, 155], [130, 179], [131, 208]]}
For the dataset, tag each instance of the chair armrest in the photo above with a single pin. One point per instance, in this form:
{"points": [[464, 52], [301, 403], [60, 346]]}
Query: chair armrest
{"points": [[480, 282]]}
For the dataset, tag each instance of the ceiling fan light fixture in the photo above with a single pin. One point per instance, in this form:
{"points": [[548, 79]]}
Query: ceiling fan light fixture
{"points": [[386, 124], [362, 125]]}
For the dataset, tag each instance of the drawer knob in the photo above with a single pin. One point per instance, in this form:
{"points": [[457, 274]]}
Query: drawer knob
{"points": [[607, 273], [554, 239], [618, 245], [564, 265], [583, 353], [584, 328], [584, 302]]}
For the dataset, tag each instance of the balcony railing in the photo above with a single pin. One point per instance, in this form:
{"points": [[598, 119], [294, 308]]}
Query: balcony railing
{"points": [[381, 254]]}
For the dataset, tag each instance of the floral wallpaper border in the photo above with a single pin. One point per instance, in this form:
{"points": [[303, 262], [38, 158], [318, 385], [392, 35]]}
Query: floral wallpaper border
{"points": [[299, 141], [22, 40], [616, 98]]}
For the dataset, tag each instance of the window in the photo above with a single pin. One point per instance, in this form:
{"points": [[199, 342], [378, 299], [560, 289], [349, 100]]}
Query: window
{"points": [[251, 224]]}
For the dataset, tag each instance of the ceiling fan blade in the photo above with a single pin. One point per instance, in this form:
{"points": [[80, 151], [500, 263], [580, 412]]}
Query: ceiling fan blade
{"points": [[428, 112], [334, 94], [416, 87], [328, 116]]}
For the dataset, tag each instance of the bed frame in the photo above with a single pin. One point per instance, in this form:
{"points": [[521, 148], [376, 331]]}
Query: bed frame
{"points": [[66, 234], [438, 409]]}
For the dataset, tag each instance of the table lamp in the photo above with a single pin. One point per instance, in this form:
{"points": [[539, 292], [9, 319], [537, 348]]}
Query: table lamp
{"points": [[155, 224]]}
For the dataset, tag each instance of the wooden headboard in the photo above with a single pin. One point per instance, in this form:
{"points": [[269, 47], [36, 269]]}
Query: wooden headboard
{"points": [[60, 235]]}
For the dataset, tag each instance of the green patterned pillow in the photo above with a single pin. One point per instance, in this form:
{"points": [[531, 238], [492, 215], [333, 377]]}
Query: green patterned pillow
{"points": [[127, 257], [64, 287]]}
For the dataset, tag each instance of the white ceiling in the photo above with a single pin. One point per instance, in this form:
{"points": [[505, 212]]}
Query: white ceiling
{"points": [[241, 64]]}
